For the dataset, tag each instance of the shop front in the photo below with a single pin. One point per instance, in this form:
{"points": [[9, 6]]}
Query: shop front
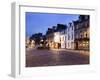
{"points": [[82, 44]]}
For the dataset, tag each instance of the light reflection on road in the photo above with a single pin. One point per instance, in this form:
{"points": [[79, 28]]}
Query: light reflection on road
{"points": [[54, 57]]}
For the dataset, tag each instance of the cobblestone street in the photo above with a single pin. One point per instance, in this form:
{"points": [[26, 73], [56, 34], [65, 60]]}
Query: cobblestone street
{"points": [[55, 57]]}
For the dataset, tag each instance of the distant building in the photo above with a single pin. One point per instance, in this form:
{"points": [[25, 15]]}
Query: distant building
{"points": [[82, 34], [30, 43], [27, 42], [50, 37]]}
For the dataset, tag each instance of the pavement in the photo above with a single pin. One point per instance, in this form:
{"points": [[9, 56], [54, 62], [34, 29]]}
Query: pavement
{"points": [[55, 57], [83, 52]]}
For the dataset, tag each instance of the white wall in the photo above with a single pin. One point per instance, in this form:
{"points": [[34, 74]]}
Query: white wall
{"points": [[62, 41], [5, 40], [70, 40]]}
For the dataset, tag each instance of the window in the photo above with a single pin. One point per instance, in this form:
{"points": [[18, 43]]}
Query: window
{"points": [[76, 36], [68, 36], [72, 27], [66, 32], [72, 36], [81, 36], [63, 38], [60, 39], [77, 27], [68, 28], [86, 35]]}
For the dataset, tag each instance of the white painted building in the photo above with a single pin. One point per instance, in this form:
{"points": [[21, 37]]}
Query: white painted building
{"points": [[70, 36], [67, 37], [57, 37], [56, 40]]}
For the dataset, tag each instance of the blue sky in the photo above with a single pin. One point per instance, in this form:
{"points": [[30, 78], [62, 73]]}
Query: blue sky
{"points": [[40, 22]]}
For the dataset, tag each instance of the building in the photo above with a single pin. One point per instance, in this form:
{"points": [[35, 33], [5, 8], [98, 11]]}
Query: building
{"points": [[67, 37], [53, 36], [30, 43], [82, 34], [63, 39], [50, 38], [27, 42], [70, 36], [56, 40]]}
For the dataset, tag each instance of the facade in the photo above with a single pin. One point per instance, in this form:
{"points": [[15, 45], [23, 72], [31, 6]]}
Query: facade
{"points": [[30, 43], [53, 36], [27, 42], [67, 37], [50, 38], [70, 36], [75, 35], [63, 39], [56, 40], [82, 34]]}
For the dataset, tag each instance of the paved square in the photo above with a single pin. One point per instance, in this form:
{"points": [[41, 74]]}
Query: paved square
{"points": [[55, 57]]}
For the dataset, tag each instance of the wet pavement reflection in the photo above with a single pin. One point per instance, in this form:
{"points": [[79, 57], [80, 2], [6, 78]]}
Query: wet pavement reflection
{"points": [[54, 58]]}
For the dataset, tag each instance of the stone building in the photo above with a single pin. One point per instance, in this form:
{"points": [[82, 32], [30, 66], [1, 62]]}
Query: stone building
{"points": [[53, 36], [82, 33]]}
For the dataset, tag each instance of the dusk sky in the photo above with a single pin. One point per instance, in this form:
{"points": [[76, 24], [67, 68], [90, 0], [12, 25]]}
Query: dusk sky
{"points": [[40, 22]]}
